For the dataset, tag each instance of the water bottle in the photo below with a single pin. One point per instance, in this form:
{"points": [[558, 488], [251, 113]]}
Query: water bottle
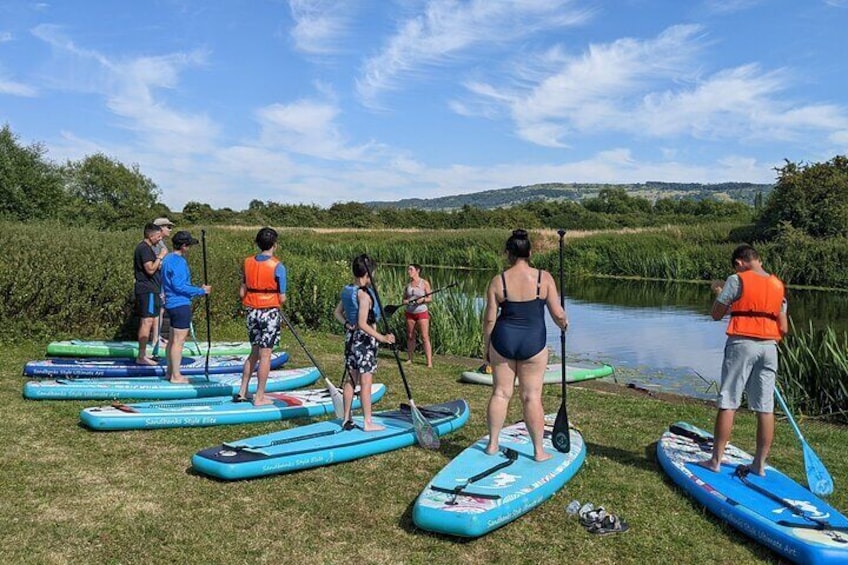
{"points": [[572, 507]]}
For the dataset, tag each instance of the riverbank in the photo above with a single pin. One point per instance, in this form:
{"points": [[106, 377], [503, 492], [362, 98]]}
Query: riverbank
{"points": [[70, 495]]}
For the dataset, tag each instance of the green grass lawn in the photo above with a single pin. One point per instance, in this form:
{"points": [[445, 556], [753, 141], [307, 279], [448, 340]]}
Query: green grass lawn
{"points": [[69, 495]]}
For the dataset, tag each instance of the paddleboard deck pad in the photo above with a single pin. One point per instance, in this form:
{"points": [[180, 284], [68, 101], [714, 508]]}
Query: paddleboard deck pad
{"points": [[155, 388], [129, 349], [108, 368], [476, 493], [323, 443], [216, 411], [553, 374], [773, 510]]}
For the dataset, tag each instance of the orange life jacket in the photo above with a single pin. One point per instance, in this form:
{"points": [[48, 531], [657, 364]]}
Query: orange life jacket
{"points": [[756, 312], [262, 288]]}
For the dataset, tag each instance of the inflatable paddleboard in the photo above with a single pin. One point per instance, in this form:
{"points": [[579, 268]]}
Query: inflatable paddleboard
{"points": [[773, 510], [553, 374], [155, 388], [129, 349], [323, 443], [477, 493], [109, 368], [216, 411]]}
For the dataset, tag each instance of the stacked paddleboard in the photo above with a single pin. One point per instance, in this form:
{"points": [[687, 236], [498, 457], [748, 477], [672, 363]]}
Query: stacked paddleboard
{"points": [[323, 443], [477, 493], [129, 349], [156, 388], [215, 411], [123, 368], [553, 374], [774, 510]]}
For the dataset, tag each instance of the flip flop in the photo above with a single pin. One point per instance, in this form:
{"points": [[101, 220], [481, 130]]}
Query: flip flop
{"points": [[610, 524]]}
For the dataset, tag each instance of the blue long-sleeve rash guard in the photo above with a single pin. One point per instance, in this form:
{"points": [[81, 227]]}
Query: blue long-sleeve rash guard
{"points": [[176, 281]]}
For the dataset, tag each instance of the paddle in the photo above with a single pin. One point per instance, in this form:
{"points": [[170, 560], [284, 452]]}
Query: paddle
{"points": [[208, 320], [392, 308], [424, 432], [818, 478], [335, 395], [561, 437]]}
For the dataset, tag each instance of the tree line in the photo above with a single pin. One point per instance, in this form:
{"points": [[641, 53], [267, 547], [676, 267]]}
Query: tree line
{"points": [[102, 192]]}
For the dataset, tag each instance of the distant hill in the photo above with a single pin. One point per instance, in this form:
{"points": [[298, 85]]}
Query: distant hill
{"points": [[505, 197]]}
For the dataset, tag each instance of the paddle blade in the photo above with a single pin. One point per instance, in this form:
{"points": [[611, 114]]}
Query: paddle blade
{"points": [[336, 397], [424, 432], [391, 309], [561, 437], [818, 478]]}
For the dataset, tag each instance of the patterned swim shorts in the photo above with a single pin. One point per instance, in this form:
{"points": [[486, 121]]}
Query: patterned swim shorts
{"points": [[263, 327], [361, 353]]}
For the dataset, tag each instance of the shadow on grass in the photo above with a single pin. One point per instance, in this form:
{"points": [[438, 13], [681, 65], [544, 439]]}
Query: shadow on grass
{"points": [[409, 526], [648, 462]]}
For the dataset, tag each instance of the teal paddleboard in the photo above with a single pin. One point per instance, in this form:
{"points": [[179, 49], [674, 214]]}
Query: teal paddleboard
{"points": [[129, 349], [476, 493], [215, 411]]}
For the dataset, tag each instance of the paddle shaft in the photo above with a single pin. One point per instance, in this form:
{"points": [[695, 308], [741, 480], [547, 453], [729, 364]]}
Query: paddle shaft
{"points": [[819, 480], [561, 436], [392, 308], [206, 297], [303, 345]]}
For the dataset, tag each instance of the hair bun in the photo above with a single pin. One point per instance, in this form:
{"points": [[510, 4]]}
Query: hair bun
{"points": [[519, 234]]}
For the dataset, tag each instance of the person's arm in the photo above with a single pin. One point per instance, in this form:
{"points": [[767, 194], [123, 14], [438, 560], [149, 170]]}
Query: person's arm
{"points": [[180, 278], [152, 262], [362, 321], [553, 302], [339, 315], [727, 294], [426, 291], [489, 317], [242, 287], [783, 319]]}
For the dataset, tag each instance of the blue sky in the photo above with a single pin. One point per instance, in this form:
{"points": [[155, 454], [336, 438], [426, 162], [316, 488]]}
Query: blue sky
{"points": [[319, 101]]}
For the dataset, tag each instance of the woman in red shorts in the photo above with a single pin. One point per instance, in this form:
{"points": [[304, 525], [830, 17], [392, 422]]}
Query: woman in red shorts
{"points": [[417, 314]]}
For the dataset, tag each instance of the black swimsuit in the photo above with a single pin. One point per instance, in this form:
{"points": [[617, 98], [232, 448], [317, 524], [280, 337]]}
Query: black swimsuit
{"points": [[519, 331]]}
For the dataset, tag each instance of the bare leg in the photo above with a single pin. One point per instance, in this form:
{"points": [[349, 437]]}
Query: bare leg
{"points": [[144, 326], [425, 339], [765, 435], [365, 399], [262, 377], [723, 427], [347, 393], [503, 375], [247, 370], [175, 355], [530, 376], [410, 339]]}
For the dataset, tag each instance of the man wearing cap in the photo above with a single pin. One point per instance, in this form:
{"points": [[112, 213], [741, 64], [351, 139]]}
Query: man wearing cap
{"points": [[148, 287], [156, 335], [176, 284]]}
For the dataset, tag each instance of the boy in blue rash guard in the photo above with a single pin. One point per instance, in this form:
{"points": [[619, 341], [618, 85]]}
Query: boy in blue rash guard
{"points": [[176, 284], [359, 312]]}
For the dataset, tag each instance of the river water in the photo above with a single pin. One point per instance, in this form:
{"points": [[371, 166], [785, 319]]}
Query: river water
{"points": [[660, 330]]}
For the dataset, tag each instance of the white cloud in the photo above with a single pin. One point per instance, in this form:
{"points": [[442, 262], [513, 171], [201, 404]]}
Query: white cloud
{"points": [[730, 6], [132, 88], [837, 3], [5, 36], [14, 88], [319, 24], [447, 28]]}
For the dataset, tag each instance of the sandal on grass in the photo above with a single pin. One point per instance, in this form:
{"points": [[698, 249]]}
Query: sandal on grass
{"points": [[590, 515], [610, 524]]}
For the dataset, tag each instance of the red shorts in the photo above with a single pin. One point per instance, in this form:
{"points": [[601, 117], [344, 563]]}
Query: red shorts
{"points": [[425, 315]]}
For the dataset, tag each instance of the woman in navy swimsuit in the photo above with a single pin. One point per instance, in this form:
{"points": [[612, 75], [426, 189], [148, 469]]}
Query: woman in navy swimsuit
{"points": [[514, 339]]}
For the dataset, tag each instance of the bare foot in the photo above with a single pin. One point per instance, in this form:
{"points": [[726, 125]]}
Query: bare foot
{"points": [[491, 449], [709, 465], [179, 380], [544, 456], [408, 361], [262, 401], [145, 361], [369, 427], [753, 468]]}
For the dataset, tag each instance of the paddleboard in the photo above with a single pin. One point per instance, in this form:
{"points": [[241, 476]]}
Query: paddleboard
{"points": [[216, 411], [476, 493], [155, 388], [553, 374], [791, 520], [323, 443], [99, 367], [129, 349]]}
